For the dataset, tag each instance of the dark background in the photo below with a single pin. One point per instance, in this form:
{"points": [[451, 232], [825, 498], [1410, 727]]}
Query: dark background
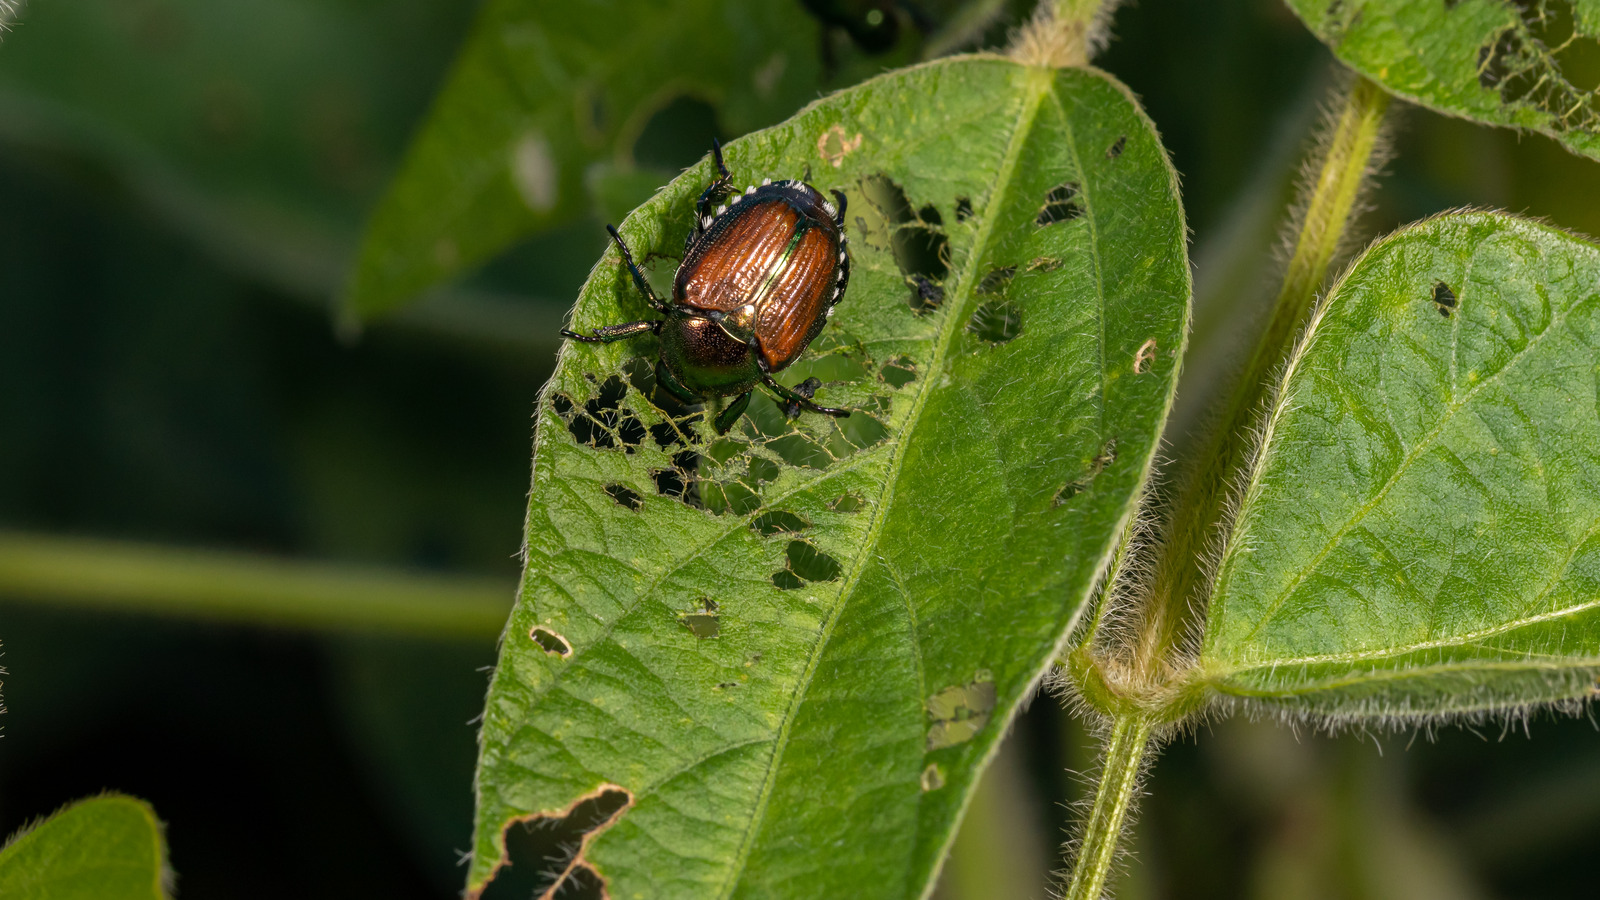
{"points": [[182, 185]]}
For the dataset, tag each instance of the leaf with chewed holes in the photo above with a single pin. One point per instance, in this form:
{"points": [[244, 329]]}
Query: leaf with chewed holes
{"points": [[788, 650], [1422, 534], [1519, 63], [103, 848]]}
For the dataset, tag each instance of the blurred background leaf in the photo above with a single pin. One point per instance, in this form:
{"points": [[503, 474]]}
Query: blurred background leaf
{"points": [[103, 848], [164, 380]]}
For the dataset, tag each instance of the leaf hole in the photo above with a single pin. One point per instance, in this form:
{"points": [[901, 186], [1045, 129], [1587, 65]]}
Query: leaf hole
{"points": [[550, 642], [1444, 299], [704, 621], [899, 372], [677, 481], [785, 580], [915, 236], [544, 853], [625, 496], [963, 209], [811, 564], [997, 321], [777, 522], [1060, 205], [847, 503], [1116, 148], [801, 451], [997, 280], [603, 422], [932, 777]]}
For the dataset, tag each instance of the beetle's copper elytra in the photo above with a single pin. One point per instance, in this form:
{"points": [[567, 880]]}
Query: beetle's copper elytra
{"points": [[758, 280]]}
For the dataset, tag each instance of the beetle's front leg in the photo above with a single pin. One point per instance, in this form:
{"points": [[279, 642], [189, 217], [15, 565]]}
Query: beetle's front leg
{"points": [[611, 333], [638, 276], [716, 191], [799, 397]]}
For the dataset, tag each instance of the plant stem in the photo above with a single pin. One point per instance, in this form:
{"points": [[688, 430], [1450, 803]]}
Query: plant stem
{"points": [[1199, 504], [247, 588], [1119, 776]]}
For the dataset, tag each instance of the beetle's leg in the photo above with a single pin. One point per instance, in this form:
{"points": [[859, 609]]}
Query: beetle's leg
{"points": [[611, 333], [731, 415], [799, 397], [665, 379], [844, 275], [838, 217], [638, 276], [716, 191]]}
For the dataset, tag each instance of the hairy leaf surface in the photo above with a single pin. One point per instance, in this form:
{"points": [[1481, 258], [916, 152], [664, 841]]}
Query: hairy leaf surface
{"points": [[105, 848], [547, 95], [772, 664], [1522, 63], [1423, 533]]}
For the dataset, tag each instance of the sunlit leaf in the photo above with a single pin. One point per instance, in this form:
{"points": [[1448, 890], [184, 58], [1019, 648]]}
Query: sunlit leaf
{"points": [[771, 664], [105, 848], [1529, 64], [1423, 533]]}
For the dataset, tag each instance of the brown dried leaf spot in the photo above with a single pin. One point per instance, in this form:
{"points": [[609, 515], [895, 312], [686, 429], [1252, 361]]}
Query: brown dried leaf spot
{"points": [[833, 146]]}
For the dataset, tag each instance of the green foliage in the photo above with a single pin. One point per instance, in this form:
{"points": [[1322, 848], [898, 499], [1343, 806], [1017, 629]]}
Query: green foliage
{"points": [[1419, 535], [885, 588], [262, 127], [538, 121], [104, 848], [1523, 63]]}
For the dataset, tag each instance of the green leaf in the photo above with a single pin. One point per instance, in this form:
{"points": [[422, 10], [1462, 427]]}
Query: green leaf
{"points": [[540, 93], [103, 848], [1422, 533], [1522, 63], [772, 664]]}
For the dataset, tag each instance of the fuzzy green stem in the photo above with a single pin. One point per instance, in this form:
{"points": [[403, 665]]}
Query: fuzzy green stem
{"points": [[1119, 777], [1350, 149], [246, 588]]}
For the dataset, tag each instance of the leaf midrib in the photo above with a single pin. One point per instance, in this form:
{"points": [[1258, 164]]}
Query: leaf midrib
{"points": [[1037, 82]]}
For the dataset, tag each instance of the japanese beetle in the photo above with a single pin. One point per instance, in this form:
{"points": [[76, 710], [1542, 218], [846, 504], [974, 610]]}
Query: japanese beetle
{"points": [[758, 280]]}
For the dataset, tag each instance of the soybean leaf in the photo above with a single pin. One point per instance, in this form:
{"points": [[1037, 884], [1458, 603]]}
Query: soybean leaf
{"points": [[1522, 63], [104, 848], [544, 92], [772, 664], [1422, 534]]}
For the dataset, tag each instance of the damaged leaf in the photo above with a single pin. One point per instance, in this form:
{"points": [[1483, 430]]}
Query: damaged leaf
{"points": [[1519, 63], [1423, 534], [859, 569]]}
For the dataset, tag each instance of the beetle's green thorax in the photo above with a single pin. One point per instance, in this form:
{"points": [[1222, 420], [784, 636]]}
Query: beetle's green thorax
{"points": [[704, 355]]}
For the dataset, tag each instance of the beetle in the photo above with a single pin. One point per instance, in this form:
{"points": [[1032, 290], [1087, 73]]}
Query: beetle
{"points": [[758, 280]]}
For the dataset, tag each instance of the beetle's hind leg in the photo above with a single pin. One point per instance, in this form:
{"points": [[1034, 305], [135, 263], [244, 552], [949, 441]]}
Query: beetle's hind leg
{"points": [[608, 334], [731, 414], [799, 397]]}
